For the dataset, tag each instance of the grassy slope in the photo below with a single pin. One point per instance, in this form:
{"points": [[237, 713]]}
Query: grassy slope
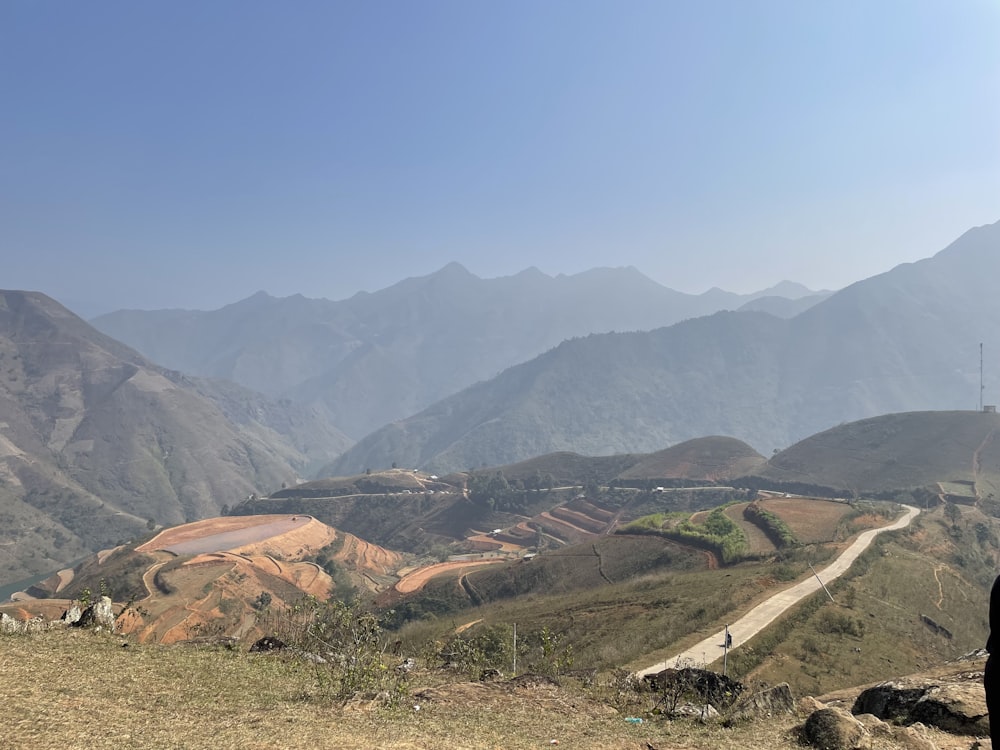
{"points": [[937, 570], [203, 697], [896, 452], [875, 629], [156, 696], [712, 458]]}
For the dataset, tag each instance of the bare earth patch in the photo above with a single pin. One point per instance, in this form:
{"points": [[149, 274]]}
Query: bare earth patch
{"points": [[811, 520], [419, 578]]}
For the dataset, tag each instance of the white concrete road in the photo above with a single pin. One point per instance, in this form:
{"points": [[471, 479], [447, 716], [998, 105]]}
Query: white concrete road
{"points": [[707, 651]]}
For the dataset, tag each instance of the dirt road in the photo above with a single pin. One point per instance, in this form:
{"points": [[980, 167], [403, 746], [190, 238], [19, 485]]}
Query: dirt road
{"points": [[758, 618], [416, 580]]}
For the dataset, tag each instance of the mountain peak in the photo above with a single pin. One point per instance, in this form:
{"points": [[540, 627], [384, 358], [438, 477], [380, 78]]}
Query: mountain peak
{"points": [[455, 270], [788, 289]]}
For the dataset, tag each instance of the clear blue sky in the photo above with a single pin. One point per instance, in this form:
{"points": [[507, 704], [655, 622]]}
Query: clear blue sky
{"points": [[188, 154]]}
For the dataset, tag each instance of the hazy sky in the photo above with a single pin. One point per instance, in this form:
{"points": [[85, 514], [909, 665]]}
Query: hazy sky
{"points": [[188, 154]]}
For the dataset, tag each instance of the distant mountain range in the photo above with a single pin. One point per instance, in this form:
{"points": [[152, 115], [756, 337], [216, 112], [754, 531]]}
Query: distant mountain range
{"points": [[905, 340], [376, 358], [96, 442], [96, 439]]}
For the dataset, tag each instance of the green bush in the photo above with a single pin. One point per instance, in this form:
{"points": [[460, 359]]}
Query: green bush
{"points": [[776, 529], [718, 534]]}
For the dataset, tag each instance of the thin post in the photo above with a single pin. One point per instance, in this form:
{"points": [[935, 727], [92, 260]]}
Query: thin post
{"points": [[821, 583], [515, 651]]}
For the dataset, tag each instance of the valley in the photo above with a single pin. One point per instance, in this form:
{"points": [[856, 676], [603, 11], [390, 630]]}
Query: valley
{"points": [[213, 517], [499, 376]]}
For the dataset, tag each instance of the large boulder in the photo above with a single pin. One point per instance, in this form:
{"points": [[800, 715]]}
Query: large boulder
{"points": [[97, 615], [890, 701], [957, 706], [700, 686], [268, 643], [763, 704], [833, 729]]}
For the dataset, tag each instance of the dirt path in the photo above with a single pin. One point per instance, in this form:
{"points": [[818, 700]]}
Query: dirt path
{"points": [[938, 569], [710, 649], [562, 523], [977, 462], [466, 626], [497, 544], [419, 578], [149, 576]]}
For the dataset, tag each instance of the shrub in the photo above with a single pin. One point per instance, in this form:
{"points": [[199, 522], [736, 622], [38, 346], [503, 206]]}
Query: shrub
{"points": [[345, 643]]}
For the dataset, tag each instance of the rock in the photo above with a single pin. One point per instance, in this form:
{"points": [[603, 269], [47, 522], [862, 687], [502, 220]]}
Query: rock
{"points": [[807, 705], [874, 726], [702, 685], [889, 701], [407, 665], [268, 643], [8, 625], [833, 729], [704, 712], [763, 704], [913, 738], [529, 680], [958, 707], [72, 614], [309, 656], [97, 615], [490, 675], [104, 614], [35, 625], [955, 708]]}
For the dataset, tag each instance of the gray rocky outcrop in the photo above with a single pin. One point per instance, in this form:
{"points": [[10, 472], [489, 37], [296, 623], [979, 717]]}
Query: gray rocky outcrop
{"points": [[958, 706], [100, 614], [690, 684], [704, 712], [763, 704], [10, 626], [72, 614], [955, 708]]}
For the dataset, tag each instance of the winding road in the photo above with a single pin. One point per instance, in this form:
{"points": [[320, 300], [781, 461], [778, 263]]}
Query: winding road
{"points": [[708, 650]]}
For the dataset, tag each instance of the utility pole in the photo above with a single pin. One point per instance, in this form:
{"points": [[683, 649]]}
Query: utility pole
{"points": [[980, 376], [515, 651], [821, 583]]}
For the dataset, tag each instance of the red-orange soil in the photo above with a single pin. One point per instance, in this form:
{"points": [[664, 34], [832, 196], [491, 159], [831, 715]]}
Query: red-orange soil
{"points": [[241, 533], [419, 578]]}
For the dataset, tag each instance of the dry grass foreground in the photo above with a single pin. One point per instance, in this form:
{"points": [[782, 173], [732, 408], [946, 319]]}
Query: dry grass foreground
{"points": [[84, 689]]}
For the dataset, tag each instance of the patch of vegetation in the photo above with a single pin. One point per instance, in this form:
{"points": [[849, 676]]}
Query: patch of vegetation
{"points": [[718, 534], [345, 588], [776, 529], [345, 643], [120, 575]]}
